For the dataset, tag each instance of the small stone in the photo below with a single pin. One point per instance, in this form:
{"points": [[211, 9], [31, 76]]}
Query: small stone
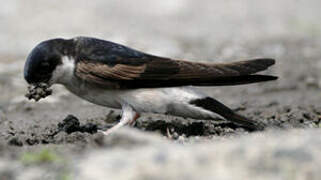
{"points": [[15, 141]]}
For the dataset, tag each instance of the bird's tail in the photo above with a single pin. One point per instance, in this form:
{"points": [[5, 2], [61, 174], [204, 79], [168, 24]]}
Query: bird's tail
{"points": [[223, 74], [209, 74], [215, 106]]}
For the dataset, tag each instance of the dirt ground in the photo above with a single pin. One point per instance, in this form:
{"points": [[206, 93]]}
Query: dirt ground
{"points": [[291, 102], [67, 125]]}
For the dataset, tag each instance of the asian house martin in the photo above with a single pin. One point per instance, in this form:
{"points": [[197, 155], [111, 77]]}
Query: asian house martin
{"points": [[116, 76]]}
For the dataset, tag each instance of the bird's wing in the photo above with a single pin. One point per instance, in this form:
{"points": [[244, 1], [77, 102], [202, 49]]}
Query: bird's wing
{"points": [[170, 73], [108, 63]]}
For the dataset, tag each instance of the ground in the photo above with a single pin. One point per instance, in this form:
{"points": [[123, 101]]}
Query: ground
{"points": [[57, 137]]}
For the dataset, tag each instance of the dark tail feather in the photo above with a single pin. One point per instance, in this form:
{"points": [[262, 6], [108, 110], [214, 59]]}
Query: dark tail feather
{"points": [[221, 81], [236, 80], [200, 74], [219, 108], [249, 66]]}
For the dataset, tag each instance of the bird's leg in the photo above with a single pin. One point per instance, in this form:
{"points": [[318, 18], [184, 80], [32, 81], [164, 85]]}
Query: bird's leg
{"points": [[133, 121], [128, 116]]}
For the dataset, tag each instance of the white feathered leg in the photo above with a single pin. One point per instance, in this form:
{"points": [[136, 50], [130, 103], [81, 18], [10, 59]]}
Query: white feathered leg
{"points": [[128, 117]]}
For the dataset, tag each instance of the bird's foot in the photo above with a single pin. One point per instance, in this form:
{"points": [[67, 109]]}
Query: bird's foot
{"points": [[106, 133], [129, 116], [114, 128]]}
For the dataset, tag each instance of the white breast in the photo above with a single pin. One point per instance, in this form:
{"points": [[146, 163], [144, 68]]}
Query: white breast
{"points": [[63, 72]]}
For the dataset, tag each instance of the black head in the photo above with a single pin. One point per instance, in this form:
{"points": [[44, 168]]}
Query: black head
{"points": [[44, 58]]}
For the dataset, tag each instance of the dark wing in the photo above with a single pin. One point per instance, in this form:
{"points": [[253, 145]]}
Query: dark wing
{"points": [[116, 66]]}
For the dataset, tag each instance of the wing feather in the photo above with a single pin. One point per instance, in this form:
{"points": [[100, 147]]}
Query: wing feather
{"points": [[158, 71], [111, 64]]}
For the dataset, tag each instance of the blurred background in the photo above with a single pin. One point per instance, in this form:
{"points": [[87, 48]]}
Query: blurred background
{"points": [[158, 27], [197, 30], [186, 29], [203, 30]]}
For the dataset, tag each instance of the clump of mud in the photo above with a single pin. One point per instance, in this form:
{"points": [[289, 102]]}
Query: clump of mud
{"points": [[38, 91], [71, 124]]}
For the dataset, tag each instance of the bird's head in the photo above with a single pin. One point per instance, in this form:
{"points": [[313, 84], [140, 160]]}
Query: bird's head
{"points": [[43, 61]]}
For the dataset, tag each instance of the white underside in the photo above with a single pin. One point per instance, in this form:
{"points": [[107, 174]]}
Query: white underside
{"points": [[174, 101]]}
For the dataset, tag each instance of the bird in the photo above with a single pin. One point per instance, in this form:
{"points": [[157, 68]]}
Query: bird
{"points": [[116, 76]]}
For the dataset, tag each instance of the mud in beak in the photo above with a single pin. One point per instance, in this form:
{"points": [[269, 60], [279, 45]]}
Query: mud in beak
{"points": [[38, 91]]}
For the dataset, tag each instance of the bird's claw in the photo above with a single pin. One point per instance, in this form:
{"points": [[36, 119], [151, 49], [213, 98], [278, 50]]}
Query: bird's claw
{"points": [[106, 133]]}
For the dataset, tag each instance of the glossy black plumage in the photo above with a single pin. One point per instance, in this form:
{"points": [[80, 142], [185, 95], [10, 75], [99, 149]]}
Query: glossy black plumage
{"points": [[44, 58], [104, 63]]}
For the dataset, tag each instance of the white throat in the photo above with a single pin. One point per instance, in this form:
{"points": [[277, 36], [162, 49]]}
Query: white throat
{"points": [[64, 72]]}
